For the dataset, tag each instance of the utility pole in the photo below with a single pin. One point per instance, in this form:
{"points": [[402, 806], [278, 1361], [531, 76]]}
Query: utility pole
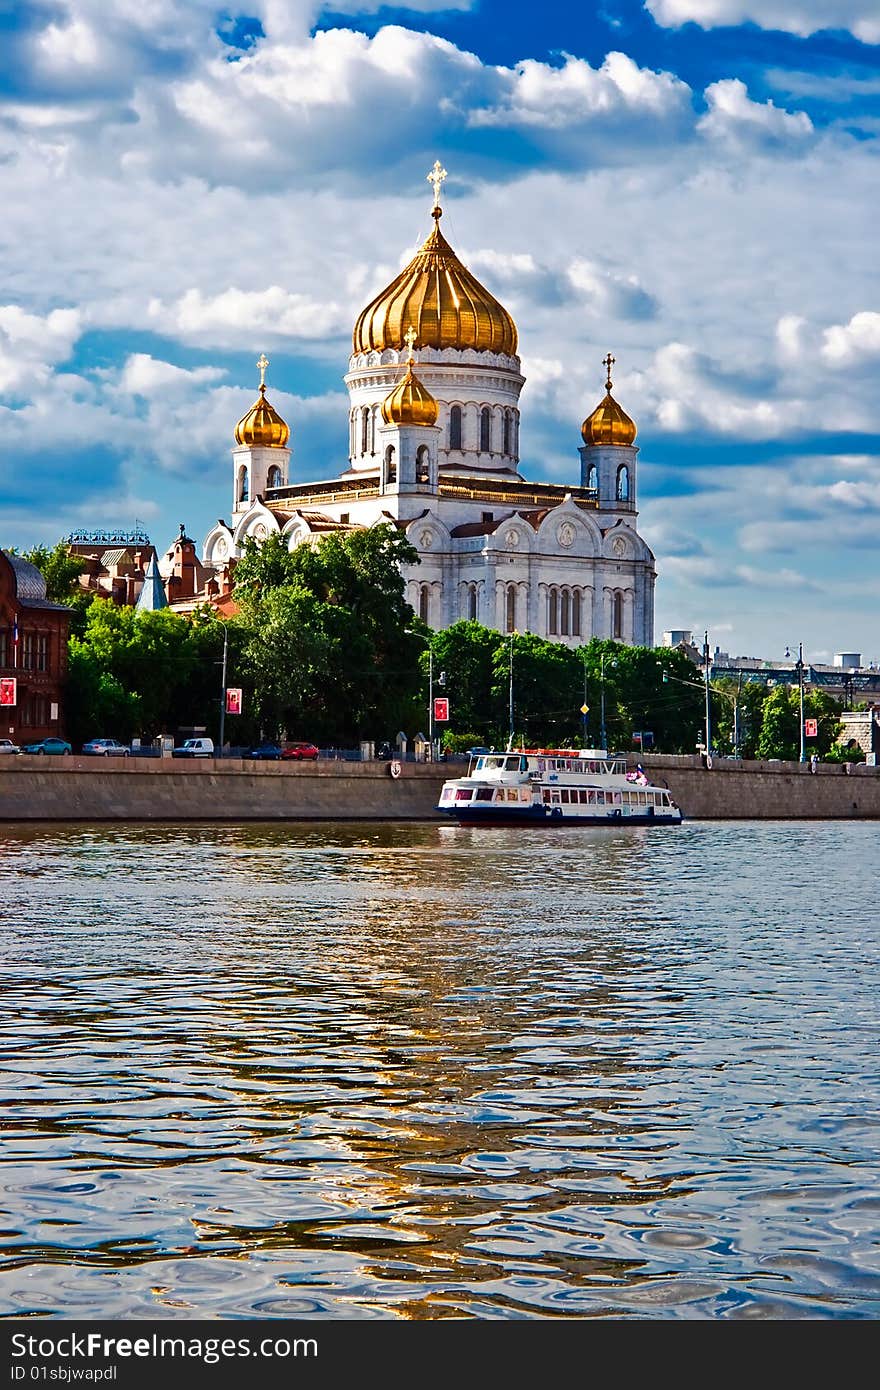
{"points": [[707, 665], [431, 700], [223, 688], [799, 667], [510, 694]]}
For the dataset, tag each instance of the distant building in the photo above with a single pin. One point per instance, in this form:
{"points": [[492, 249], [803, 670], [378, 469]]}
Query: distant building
{"points": [[118, 565], [33, 651]]}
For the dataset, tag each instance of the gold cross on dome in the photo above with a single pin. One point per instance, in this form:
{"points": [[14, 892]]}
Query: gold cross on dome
{"points": [[263, 364], [608, 362], [436, 178], [409, 338]]}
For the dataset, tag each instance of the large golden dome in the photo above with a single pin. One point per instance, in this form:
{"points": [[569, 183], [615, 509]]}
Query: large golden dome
{"points": [[262, 427], [410, 403], [608, 424], [441, 301]]}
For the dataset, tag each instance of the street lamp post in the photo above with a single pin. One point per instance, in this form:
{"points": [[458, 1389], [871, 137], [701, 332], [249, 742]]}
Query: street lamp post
{"points": [[510, 693], [602, 734], [223, 687], [707, 669], [799, 667]]}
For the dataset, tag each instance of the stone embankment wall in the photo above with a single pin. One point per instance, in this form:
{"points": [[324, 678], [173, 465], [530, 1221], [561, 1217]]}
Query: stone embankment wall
{"points": [[88, 789]]}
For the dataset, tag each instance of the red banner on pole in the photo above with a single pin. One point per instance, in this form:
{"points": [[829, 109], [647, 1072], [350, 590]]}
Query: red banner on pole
{"points": [[233, 700], [441, 710], [811, 728], [8, 691]]}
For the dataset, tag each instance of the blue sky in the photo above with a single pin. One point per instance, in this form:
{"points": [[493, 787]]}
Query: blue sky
{"points": [[690, 183]]}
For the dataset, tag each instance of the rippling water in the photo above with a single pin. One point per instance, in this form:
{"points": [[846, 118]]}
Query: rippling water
{"points": [[343, 1071]]}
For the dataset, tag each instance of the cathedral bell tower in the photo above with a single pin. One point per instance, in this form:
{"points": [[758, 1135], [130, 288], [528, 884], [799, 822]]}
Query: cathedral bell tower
{"points": [[408, 438], [608, 454], [261, 458]]}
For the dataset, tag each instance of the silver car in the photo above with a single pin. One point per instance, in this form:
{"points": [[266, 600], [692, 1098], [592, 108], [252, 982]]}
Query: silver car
{"points": [[105, 748], [7, 746]]}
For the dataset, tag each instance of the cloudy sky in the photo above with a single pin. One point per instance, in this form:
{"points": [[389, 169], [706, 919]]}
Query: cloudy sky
{"points": [[690, 183]]}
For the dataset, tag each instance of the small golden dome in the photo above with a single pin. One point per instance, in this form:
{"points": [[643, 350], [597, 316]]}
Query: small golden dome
{"points": [[608, 424], [262, 427], [410, 403], [441, 301]]}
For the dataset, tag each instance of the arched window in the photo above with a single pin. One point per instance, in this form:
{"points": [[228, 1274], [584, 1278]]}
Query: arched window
{"points": [[505, 435], [274, 477], [374, 429], [552, 613], [617, 617], [593, 477], [390, 465], [455, 427], [242, 484], [472, 602], [516, 434], [423, 465], [576, 613], [623, 483], [424, 603], [511, 608], [485, 430], [352, 433], [365, 429], [565, 613]]}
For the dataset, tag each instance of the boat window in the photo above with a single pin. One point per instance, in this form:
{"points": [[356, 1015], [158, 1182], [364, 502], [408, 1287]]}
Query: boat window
{"points": [[546, 797], [525, 794], [464, 794], [512, 764], [512, 794], [600, 798], [484, 794], [492, 763], [564, 794], [664, 798], [615, 797], [448, 793]]}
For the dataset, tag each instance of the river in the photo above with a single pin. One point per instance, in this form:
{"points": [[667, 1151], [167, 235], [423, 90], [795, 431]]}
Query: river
{"points": [[421, 1071]]}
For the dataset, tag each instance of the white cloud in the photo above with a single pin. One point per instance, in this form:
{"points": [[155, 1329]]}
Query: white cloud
{"points": [[30, 344], [238, 316], [848, 342], [535, 94], [143, 375], [802, 17], [734, 117]]}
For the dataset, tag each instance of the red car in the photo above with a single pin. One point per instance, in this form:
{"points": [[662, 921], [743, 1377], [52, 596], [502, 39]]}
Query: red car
{"points": [[298, 751]]}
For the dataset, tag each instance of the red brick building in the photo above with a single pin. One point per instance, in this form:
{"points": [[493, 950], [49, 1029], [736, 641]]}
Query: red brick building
{"points": [[33, 650]]}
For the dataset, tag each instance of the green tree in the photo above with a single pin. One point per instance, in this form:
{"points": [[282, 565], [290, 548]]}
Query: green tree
{"points": [[60, 569], [329, 648]]}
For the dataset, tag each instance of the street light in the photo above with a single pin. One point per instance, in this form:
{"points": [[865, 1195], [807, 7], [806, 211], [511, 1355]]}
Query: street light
{"points": [[602, 659], [223, 687], [707, 664], [799, 667], [510, 692], [441, 681]]}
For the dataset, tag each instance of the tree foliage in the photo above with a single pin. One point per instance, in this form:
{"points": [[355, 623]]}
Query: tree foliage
{"points": [[329, 649]]}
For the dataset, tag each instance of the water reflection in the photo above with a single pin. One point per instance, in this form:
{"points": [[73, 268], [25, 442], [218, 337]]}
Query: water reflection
{"points": [[422, 1071]]}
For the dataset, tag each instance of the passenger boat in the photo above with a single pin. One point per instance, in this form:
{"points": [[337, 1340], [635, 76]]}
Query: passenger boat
{"points": [[544, 786]]}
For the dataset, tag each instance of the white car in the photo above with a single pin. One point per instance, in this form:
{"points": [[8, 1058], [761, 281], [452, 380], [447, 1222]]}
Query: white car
{"points": [[7, 746]]}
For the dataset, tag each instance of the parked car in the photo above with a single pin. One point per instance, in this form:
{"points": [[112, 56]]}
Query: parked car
{"points": [[7, 746], [299, 751], [477, 752], [105, 748], [48, 745], [265, 752], [194, 748]]}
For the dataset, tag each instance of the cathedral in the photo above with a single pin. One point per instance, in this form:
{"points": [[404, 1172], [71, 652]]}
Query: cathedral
{"points": [[434, 382]]}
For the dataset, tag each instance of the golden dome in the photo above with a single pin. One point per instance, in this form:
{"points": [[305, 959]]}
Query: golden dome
{"points": [[608, 424], [262, 427], [441, 301], [410, 403]]}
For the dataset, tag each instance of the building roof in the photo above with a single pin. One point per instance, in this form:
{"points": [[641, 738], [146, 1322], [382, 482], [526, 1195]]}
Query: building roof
{"points": [[30, 586], [152, 596]]}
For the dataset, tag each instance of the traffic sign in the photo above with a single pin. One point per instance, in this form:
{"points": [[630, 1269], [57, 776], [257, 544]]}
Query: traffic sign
{"points": [[585, 709], [441, 710]]}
